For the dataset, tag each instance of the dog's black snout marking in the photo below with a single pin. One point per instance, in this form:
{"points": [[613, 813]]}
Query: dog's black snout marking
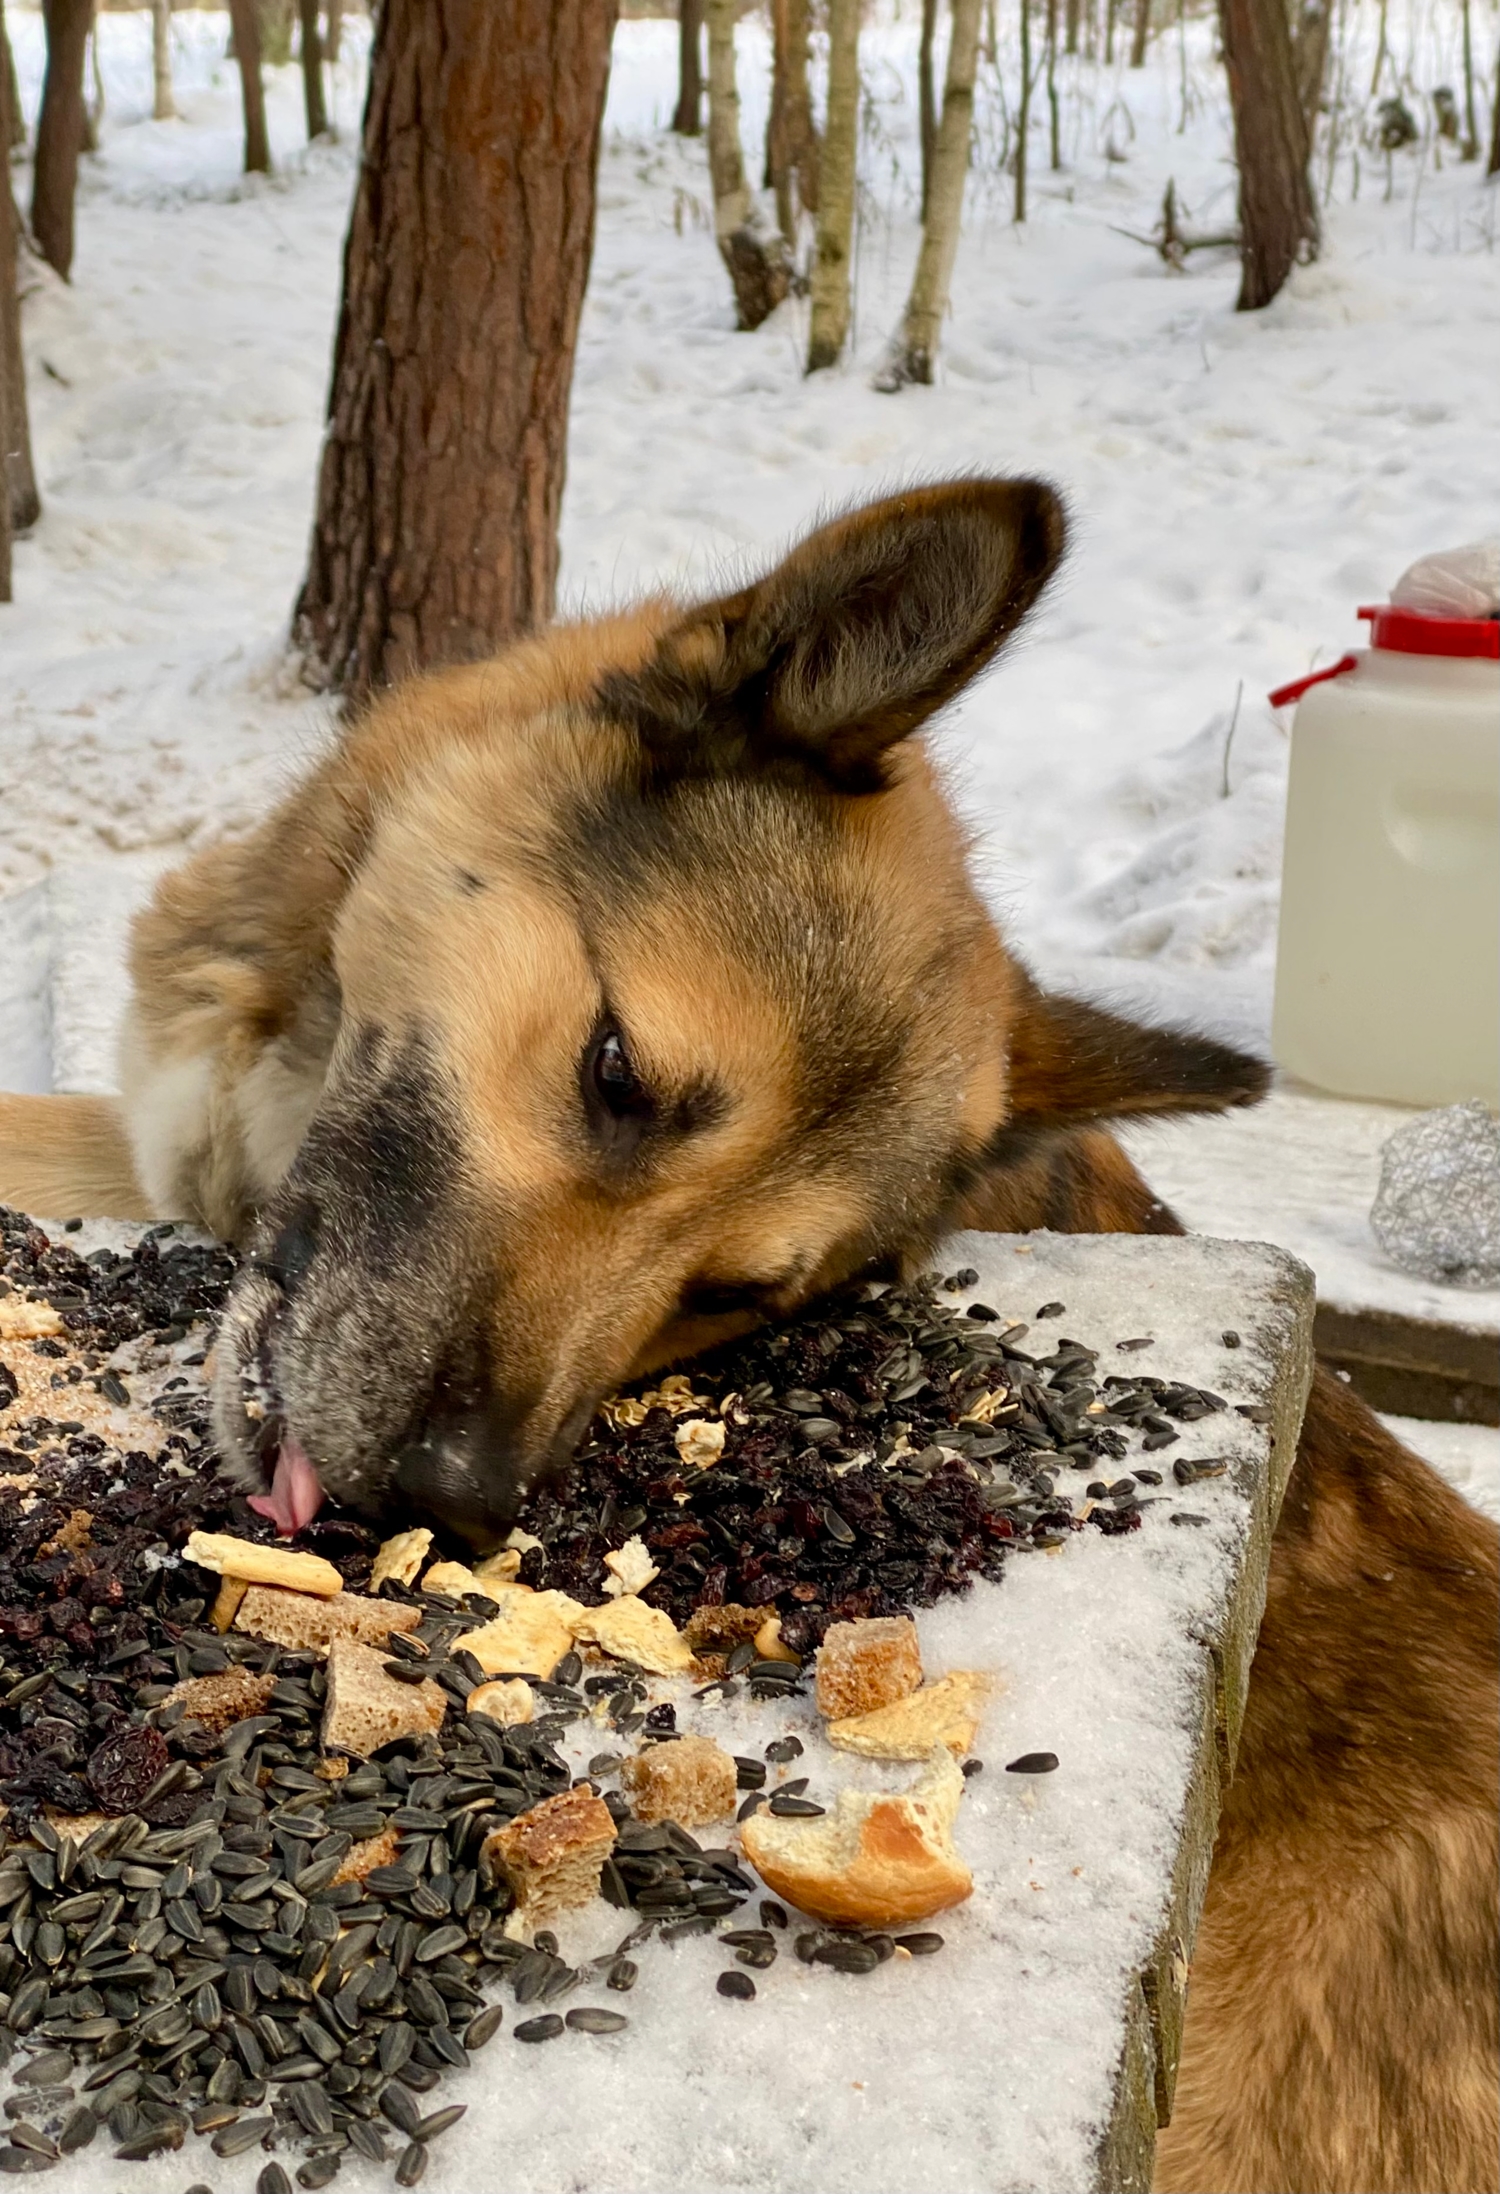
{"points": [[293, 1251]]}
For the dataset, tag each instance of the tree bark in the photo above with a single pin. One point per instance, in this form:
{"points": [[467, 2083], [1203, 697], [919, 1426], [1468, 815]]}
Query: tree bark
{"points": [[1140, 34], [758, 266], [244, 26], [312, 70], [688, 120], [1072, 34], [1023, 118], [1471, 125], [915, 348], [334, 36], [791, 139], [163, 106], [435, 538], [59, 131], [20, 505], [1054, 105], [1278, 218], [926, 94], [831, 254], [1310, 60], [1492, 165]]}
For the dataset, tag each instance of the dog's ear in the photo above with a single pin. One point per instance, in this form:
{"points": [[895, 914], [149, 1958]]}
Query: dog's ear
{"points": [[1074, 1065], [852, 642]]}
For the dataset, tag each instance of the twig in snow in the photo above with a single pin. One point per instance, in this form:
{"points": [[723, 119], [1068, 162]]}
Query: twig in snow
{"points": [[1239, 695]]}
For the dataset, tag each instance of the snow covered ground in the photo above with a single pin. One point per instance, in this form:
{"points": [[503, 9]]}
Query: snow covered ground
{"points": [[1238, 483]]}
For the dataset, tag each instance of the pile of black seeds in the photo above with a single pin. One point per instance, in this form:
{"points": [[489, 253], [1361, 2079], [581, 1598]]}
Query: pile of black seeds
{"points": [[191, 1964], [850, 1484]]}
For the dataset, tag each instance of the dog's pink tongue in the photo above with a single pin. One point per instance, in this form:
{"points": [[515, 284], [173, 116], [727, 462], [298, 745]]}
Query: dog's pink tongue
{"points": [[295, 1496]]}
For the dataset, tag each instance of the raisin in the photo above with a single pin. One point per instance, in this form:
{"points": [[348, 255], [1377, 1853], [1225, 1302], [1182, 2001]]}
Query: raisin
{"points": [[123, 1768]]}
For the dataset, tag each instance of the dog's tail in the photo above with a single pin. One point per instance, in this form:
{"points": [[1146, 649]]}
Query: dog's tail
{"points": [[67, 1157]]}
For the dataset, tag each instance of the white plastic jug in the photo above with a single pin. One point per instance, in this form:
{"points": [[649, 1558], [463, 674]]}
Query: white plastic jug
{"points": [[1388, 955]]}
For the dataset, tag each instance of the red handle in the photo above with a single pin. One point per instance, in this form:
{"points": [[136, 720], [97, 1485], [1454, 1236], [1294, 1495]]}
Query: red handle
{"points": [[1299, 686]]}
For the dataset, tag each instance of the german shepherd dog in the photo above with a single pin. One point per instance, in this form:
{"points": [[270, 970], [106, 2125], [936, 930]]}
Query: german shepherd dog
{"points": [[582, 1009]]}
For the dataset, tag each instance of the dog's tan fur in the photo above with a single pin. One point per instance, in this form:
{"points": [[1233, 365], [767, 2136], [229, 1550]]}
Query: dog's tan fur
{"points": [[845, 1060]]}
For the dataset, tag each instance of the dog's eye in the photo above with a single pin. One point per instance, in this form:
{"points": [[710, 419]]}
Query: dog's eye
{"points": [[614, 1080]]}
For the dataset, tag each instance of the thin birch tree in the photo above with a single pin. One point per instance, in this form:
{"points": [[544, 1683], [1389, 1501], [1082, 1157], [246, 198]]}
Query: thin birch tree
{"points": [[759, 269], [836, 180], [163, 106], [914, 349]]}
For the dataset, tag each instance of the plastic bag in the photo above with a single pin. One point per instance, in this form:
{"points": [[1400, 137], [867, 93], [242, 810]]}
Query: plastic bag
{"points": [[1461, 582]]}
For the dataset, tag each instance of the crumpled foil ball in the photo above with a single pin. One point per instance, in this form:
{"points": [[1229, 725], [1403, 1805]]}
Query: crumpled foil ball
{"points": [[1437, 1210]]}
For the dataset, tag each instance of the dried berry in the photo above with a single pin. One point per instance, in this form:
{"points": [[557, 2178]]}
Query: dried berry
{"points": [[124, 1767]]}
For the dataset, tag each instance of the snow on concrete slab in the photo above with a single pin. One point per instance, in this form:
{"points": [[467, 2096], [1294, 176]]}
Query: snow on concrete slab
{"points": [[1000, 2063], [1302, 1170]]}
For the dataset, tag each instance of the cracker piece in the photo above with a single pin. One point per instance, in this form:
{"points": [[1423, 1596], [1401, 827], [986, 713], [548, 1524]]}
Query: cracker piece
{"points": [[690, 1780], [632, 1631], [453, 1578], [365, 1708], [869, 1664], [400, 1557], [23, 1321], [553, 1855], [945, 1713], [700, 1441], [529, 1636], [499, 1569], [307, 1625], [263, 1565], [216, 1701], [630, 1568], [506, 1703]]}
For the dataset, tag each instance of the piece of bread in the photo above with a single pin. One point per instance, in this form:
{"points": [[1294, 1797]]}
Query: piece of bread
{"points": [[866, 1665], [401, 1557], [506, 1703], [875, 1860], [690, 1780], [552, 1856], [529, 1636], [263, 1565], [365, 1708], [216, 1701], [362, 1858], [944, 1713], [718, 1630], [310, 1626], [631, 1631]]}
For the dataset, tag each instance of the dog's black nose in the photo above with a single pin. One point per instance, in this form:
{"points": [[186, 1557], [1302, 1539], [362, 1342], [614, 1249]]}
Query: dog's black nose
{"points": [[293, 1250], [460, 1473]]}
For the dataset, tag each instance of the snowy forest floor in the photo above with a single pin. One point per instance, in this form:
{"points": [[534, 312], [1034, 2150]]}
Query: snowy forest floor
{"points": [[1238, 483]]}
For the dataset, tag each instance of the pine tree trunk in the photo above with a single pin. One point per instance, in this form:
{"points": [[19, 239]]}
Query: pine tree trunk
{"points": [[1278, 219], [926, 94], [688, 119], [244, 24], [60, 131], [163, 106], [1141, 33], [831, 256], [312, 70], [435, 538], [791, 139], [915, 349], [757, 264]]}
